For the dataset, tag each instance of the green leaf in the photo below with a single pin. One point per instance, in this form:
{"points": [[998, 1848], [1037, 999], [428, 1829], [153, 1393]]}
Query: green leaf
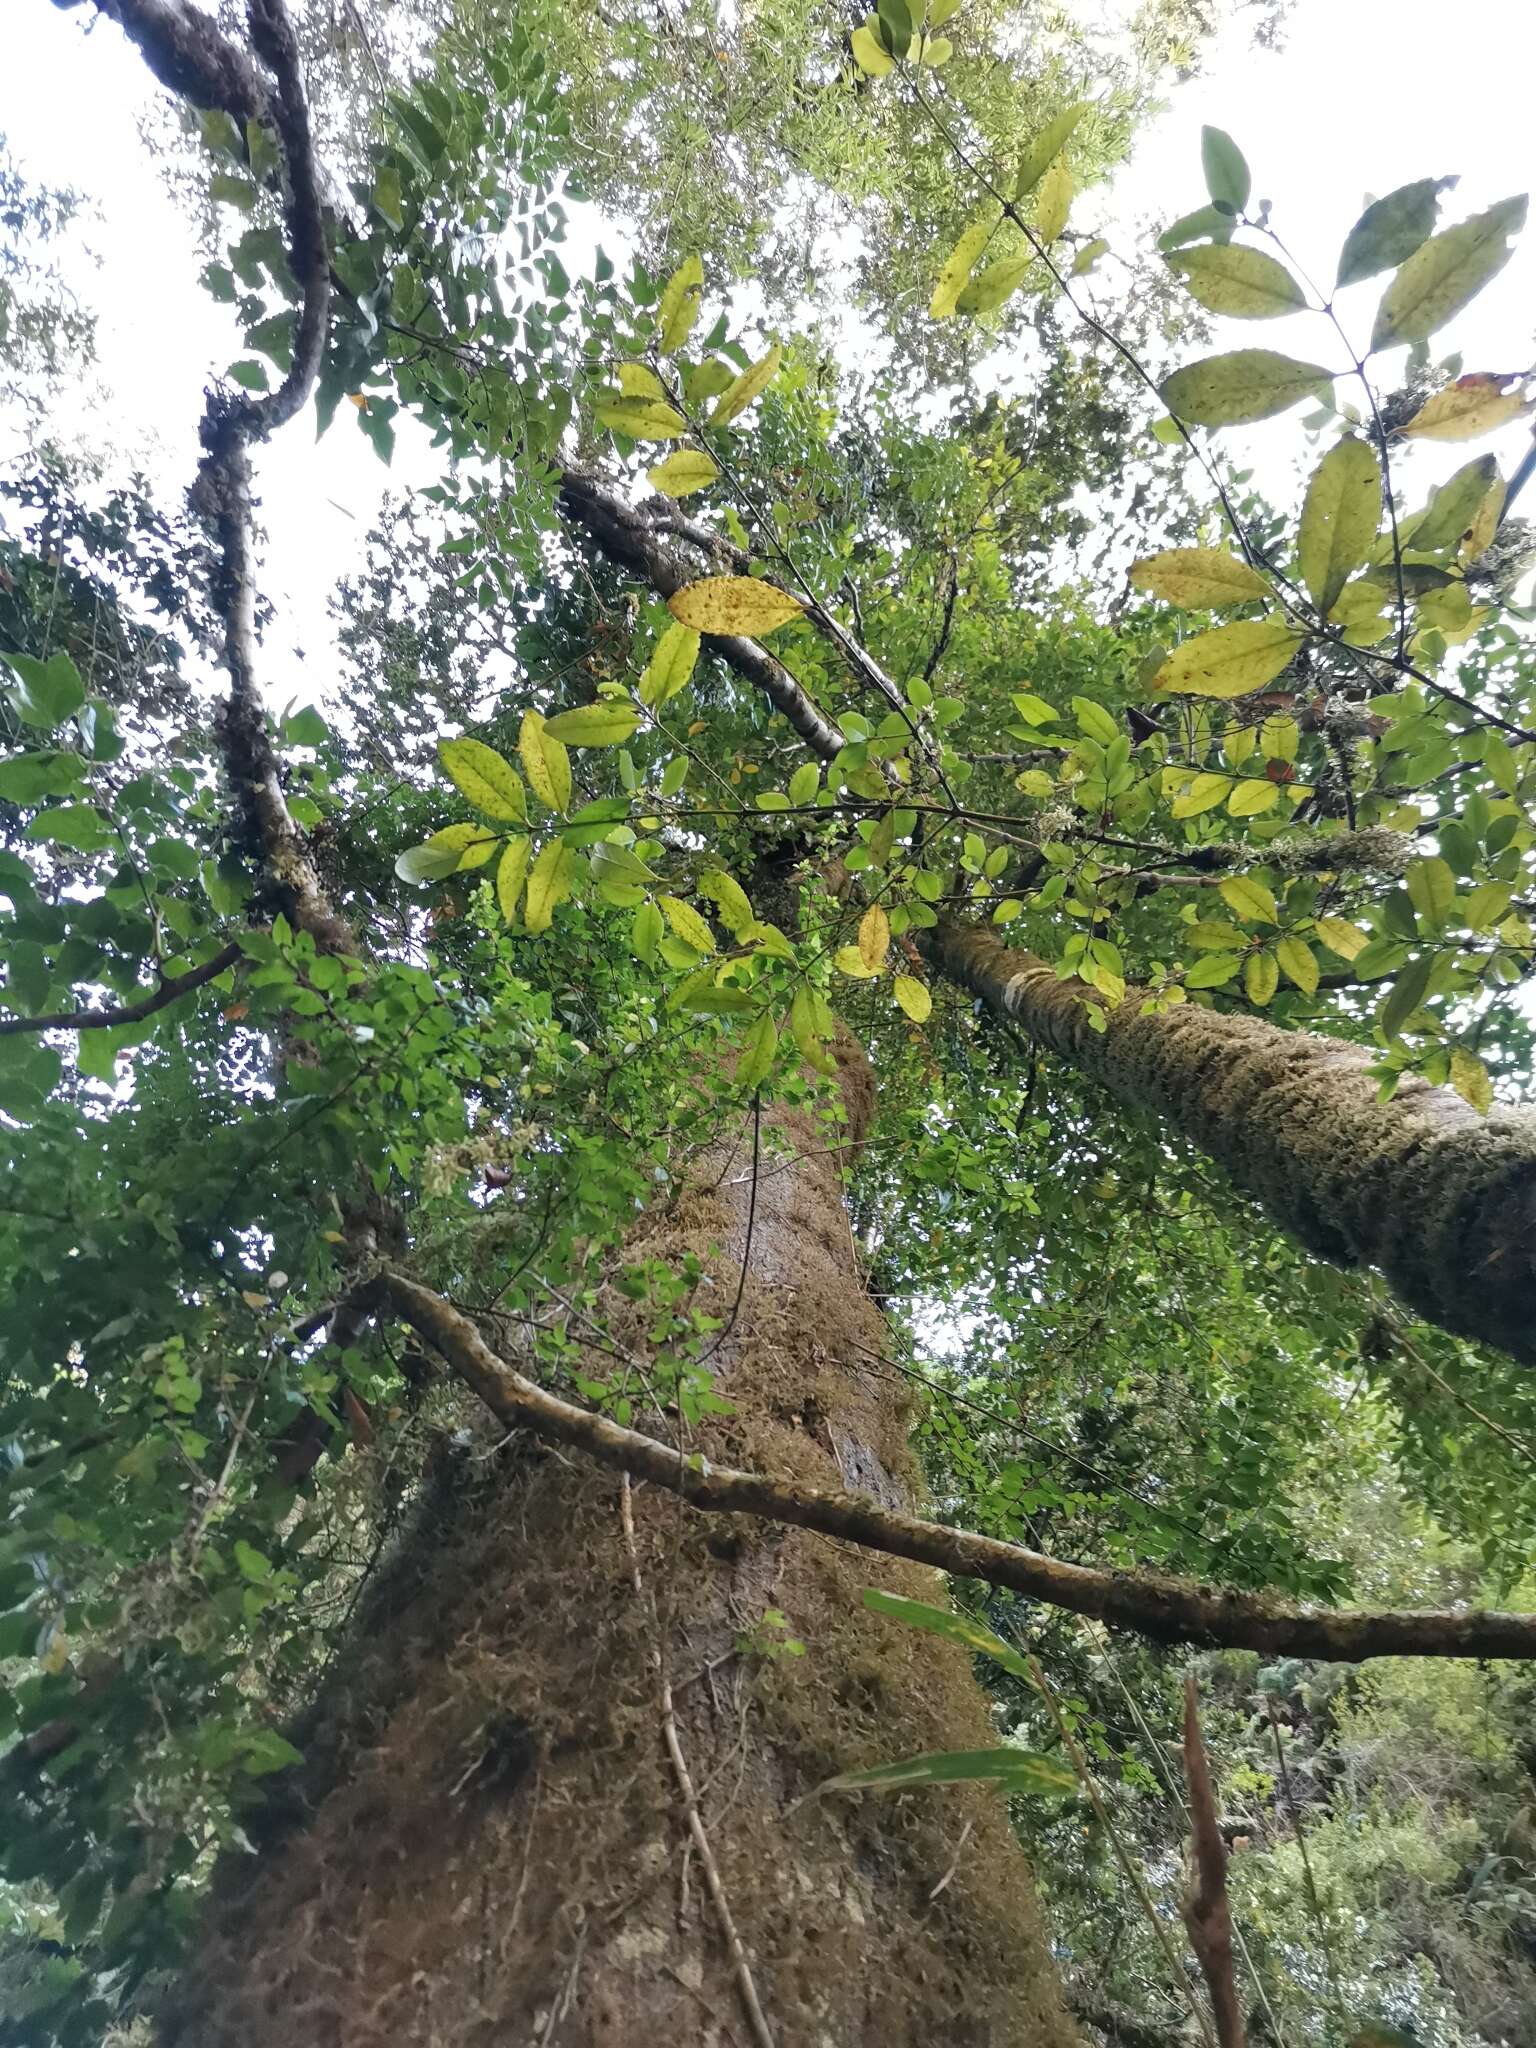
{"points": [[1446, 273], [638, 380], [757, 1055], [868, 53], [1055, 202], [606, 723], [490, 783], [1194, 227], [1250, 384], [1248, 899], [1243, 283], [687, 923], [1207, 937], [1407, 994], [1431, 888], [1095, 721], [1454, 505], [1261, 978], [45, 692], [1252, 798], [646, 933], [960, 262], [545, 762], [671, 665], [426, 863], [1298, 961], [1229, 661], [1199, 579], [996, 284], [1016, 1770], [944, 1621], [1341, 937], [1389, 231], [1212, 970], [1339, 518], [472, 845], [729, 898], [643, 419], [1227, 177]]}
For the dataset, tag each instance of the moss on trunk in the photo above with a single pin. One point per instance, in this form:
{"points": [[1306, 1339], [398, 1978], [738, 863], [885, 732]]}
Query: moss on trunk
{"points": [[486, 1843], [1440, 1199]]}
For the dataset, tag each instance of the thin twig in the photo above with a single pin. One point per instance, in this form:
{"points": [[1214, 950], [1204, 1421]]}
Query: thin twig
{"points": [[741, 1969]]}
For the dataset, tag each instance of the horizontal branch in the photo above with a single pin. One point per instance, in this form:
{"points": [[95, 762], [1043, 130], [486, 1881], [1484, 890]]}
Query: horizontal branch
{"points": [[161, 998], [1168, 1610]]}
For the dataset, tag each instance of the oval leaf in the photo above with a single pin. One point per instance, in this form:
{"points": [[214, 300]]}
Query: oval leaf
{"points": [[643, 419], [679, 304], [1230, 661], [1199, 579], [548, 885], [491, 784], [1442, 275], [1339, 518], [913, 997], [670, 666], [1249, 384], [510, 871], [1243, 283], [1388, 232], [1227, 177], [689, 469], [1471, 406], [688, 924], [874, 938], [605, 723], [728, 605], [741, 391], [545, 762]]}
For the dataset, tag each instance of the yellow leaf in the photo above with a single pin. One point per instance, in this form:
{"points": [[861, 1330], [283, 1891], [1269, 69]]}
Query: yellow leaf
{"points": [[1360, 608], [1485, 523], [874, 938], [1245, 284], [1199, 579], [1248, 799], [757, 1054], [961, 261], [1261, 977], [986, 292], [545, 762], [687, 470], [733, 604], [728, 896], [1339, 518], [913, 998], [688, 924], [1280, 739], [1203, 794], [479, 772], [1340, 936], [741, 391], [670, 666], [679, 305], [643, 419], [849, 960], [1231, 661], [510, 870], [868, 54], [811, 1021], [636, 381], [474, 844], [1469, 1077], [1249, 899], [548, 885], [1471, 406], [1055, 201], [1298, 961]]}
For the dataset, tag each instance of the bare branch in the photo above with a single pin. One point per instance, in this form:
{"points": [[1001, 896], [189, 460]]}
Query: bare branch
{"points": [[161, 998]]}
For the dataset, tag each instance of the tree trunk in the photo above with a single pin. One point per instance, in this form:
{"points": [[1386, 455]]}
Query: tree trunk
{"points": [[487, 1842], [1441, 1199]]}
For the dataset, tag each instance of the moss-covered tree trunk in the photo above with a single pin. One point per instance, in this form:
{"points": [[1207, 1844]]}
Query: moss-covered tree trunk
{"points": [[1441, 1199], [487, 1844]]}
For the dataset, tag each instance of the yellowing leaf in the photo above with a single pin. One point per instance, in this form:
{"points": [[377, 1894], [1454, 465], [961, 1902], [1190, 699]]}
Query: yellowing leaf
{"points": [[961, 261], [545, 762], [473, 844], [1212, 938], [729, 898], [1203, 794], [606, 723], [636, 381], [689, 469], [643, 419], [1243, 283], [1199, 579], [1055, 201], [1087, 256], [1248, 898], [1298, 962], [1249, 384], [1444, 273], [874, 938], [733, 604], [679, 305], [1231, 661], [1478, 537], [1250, 799], [1471, 406], [670, 666], [1261, 977], [868, 53], [1341, 937], [849, 960], [688, 924], [811, 1022], [491, 784], [510, 871], [1339, 518], [997, 283], [1469, 1077], [757, 1054], [741, 391], [913, 997], [548, 885], [1045, 149]]}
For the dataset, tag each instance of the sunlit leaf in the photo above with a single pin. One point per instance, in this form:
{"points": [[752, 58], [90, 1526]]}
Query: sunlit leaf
{"points": [[868, 53], [1341, 937], [956, 1628], [961, 261], [757, 1054], [729, 605], [1297, 962], [689, 469], [671, 665], [913, 997], [549, 884], [751, 384], [1045, 149], [1470, 1079], [510, 872], [1250, 384], [1250, 899], [874, 938], [1261, 977], [607, 722], [687, 923], [1243, 283], [678, 308], [1230, 661], [545, 762], [643, 419], [1054, 202], [490, 783], [1199, 579]]}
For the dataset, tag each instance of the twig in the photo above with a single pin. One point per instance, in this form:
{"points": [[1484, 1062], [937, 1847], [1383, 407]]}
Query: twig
{"points": [[741, 1969], [1207, 1913]]}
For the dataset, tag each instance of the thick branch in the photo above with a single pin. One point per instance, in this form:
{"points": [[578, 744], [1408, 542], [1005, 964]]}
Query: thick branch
{"points": [[631, 540], [1440, 1199], [127, 1013], [1207, 1913], [1169, 1610]]}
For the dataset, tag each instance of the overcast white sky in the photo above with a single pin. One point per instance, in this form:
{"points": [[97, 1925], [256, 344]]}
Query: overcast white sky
{"points": [[1365, 95]]}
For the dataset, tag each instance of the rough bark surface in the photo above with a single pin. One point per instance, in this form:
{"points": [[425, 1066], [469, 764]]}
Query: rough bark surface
{"points": [[1440, 1199], [486, 1843]]}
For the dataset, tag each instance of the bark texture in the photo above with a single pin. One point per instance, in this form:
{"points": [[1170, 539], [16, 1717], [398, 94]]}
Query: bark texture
{"points": [[487, 1842], [1440, 1199]]}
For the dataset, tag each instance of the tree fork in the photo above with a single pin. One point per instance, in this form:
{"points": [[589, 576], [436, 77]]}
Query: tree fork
{"points": [[1441, 1199]]}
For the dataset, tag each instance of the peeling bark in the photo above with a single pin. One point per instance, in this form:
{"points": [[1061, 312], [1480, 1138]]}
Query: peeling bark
{"points": [[1440, 1199]]}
